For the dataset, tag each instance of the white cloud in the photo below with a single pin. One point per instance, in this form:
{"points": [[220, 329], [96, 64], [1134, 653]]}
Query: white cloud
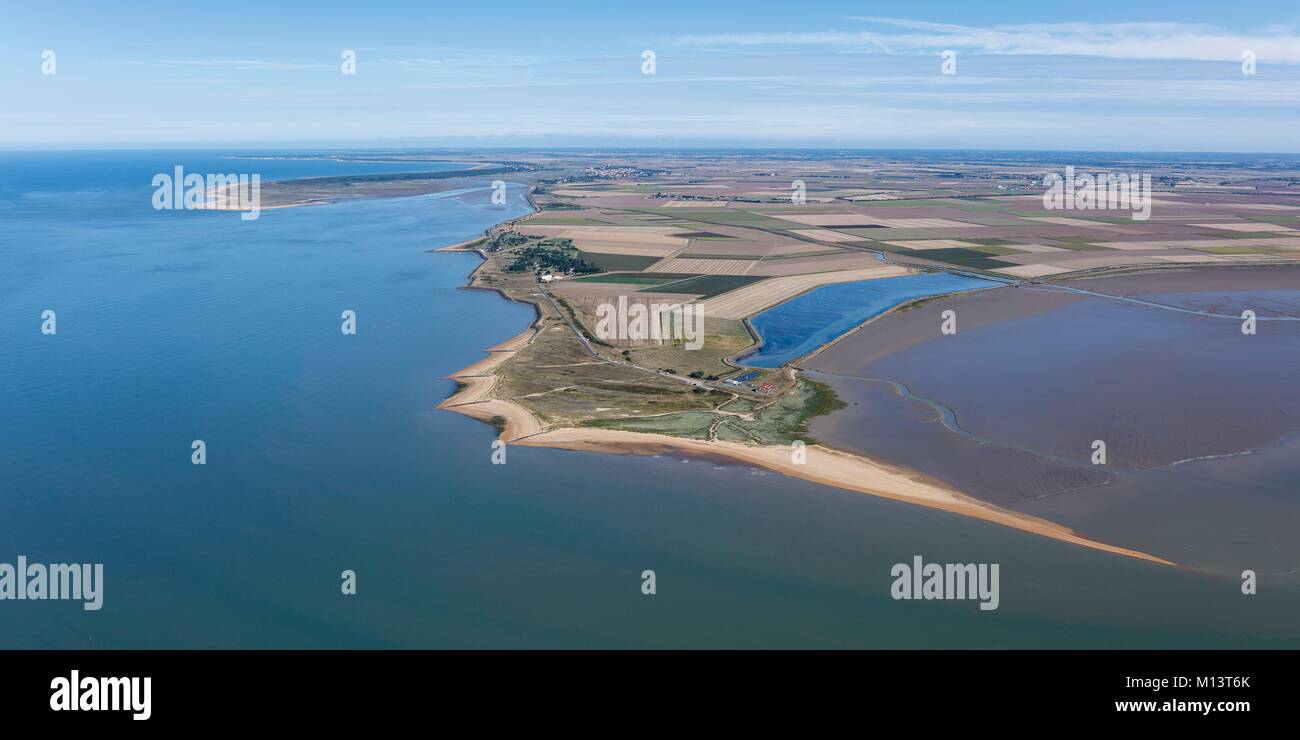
{"points": [[1183, 41], [249, 64]]}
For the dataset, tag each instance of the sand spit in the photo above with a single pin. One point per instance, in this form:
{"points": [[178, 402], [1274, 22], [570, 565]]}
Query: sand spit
{"points": [[517, 421], [825, 466]]}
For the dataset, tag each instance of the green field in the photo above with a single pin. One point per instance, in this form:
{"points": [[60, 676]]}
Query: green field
{"points": [[1077, 243], [707, 286], [964, 258], [547, 220], [1225, 234], [614, 262], [635, 278], [1245, 250]]}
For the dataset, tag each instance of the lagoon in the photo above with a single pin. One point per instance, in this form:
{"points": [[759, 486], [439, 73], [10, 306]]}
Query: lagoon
{"points": [[799, 326]]}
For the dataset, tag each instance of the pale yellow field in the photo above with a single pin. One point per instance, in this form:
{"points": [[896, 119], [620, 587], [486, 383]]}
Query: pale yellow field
{"points": [[922, 244], [1258, 206], [1246, 226], [751, 299], [800, 248], [1032, 271], [825, 219], [1067, 221], [1288, 242], [576, 193], [925, 223], [703, 267], [810, 265], [1036, 248], [608, 247], [1117, 260], [857, 219], [827, 235], [1191, 258]]}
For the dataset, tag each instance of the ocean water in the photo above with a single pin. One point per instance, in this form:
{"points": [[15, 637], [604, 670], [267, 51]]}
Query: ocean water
{"points": [[325, 453], [799, 326]]}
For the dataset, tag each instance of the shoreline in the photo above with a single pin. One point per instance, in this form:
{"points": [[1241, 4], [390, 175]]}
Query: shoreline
{"points": [[827, 466]]}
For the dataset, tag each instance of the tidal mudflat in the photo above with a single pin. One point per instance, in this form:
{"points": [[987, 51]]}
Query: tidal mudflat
{"points": [[1008, 408]]}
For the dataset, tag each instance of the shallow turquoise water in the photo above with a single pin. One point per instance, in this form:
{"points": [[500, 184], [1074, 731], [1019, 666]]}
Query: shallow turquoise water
{"points": [[799, 326]]}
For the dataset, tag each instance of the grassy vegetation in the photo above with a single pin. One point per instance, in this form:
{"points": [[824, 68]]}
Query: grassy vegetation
{"points": [[778, 423], [740, 405], [722, 338], [556, 379], [692, 425], [996, 250], [1279, 220]]}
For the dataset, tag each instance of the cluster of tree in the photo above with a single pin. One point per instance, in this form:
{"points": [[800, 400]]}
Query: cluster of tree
{"points": [[558, 255], [506, 240]]}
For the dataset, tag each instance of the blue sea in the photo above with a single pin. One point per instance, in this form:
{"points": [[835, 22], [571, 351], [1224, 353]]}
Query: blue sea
{"points": [[325, 453], [799, 326]]}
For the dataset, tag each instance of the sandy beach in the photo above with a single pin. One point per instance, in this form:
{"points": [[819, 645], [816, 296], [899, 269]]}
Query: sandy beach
{"points": [[473, 397], [848, 471], [825, 466]]}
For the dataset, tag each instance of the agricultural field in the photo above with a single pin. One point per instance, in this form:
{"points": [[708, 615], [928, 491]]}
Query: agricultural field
{"points": [[726, 234]]}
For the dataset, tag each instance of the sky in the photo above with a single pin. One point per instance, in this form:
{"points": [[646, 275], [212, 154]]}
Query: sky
{"points": [[1099, 75]]}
